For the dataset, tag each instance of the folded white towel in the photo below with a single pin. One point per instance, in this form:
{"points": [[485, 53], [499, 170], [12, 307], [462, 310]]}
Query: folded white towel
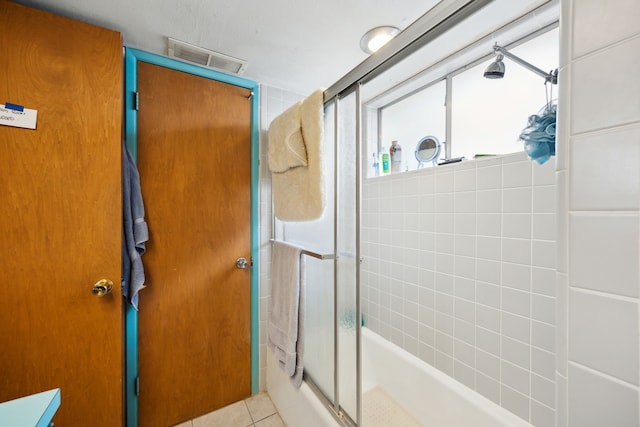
{"points": [[286, 320], [299, 192], [286, 143]]}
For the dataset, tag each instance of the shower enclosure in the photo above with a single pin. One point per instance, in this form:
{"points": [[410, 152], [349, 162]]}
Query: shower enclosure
{"points": [[340, 259]]}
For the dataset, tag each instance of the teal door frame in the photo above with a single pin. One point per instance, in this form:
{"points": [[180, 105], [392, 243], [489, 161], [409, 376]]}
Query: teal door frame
{"points": [[132, 56]]}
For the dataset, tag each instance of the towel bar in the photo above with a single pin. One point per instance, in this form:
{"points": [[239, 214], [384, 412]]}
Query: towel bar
{"points": [[312, 254]]}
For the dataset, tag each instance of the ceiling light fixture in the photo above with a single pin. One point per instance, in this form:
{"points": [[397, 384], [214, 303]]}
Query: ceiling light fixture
{"points": [[377, 37]]}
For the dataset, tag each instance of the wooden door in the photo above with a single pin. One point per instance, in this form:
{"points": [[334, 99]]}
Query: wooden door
{"points": [[194, 155], [60, 215]]}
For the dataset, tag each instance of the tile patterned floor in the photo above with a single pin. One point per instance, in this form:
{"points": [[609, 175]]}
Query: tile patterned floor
{"points": [[256, 411]]}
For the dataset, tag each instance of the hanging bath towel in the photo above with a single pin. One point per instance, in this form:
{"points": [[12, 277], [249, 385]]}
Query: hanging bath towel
{"points": [[296, 160], [134, 229], [286, 326]]}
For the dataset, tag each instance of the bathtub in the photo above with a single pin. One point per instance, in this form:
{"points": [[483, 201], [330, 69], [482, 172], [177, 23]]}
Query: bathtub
{"points": [[431, 397]]}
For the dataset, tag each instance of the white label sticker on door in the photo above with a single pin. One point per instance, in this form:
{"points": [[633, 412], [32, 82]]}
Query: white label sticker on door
{"points": [[16, 118]]}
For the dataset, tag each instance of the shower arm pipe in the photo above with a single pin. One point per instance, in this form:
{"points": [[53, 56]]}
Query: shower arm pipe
{"points": [[551, 77]]}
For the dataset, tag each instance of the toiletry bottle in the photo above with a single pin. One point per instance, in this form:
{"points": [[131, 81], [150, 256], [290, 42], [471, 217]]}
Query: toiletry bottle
{"points": [[396, 157], [385, 161], [376, 165]]}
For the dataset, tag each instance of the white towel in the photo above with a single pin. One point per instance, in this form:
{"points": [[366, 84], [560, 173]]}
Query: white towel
{"points": [[286, 326], [299, 192]]}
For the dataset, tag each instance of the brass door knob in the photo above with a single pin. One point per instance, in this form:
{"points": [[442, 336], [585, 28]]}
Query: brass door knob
{"points": [[102, 287]]}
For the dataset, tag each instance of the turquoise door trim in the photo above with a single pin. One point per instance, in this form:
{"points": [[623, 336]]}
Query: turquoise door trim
{"points": [[132, 56]]}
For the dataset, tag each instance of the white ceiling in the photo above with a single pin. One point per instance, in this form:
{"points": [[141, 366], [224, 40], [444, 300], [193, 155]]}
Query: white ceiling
{"points": [[298, 45]]}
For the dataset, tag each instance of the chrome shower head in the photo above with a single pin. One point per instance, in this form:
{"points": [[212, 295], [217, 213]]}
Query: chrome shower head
{"points": [[495, 70]]}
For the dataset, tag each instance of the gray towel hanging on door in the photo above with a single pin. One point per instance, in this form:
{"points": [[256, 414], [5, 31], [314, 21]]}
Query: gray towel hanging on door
{"points": [[135, 232]]}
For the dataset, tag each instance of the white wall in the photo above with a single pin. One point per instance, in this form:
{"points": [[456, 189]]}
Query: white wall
{"points": [[459, 269], [599, 204]]}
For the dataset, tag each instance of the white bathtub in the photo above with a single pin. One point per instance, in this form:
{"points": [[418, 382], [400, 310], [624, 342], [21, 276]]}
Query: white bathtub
{"points": [[430, 396]]}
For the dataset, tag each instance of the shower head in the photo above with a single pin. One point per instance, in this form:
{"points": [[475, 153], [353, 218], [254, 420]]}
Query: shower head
{"points": [[495, 70]]}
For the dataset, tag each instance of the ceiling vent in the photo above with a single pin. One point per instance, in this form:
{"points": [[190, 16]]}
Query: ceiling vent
{"points": [[207, 58]]}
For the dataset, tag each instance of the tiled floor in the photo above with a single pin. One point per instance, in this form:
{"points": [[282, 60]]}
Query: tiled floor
{"points": [[256, 411]]}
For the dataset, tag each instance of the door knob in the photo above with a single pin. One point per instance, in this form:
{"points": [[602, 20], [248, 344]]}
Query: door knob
{"points": [[242, 263], [102, 287]]}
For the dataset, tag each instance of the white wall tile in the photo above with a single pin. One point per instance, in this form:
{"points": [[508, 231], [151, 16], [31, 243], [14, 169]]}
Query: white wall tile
{"points": [[544, 199], [516, 327], [465, 353], [465, 246], [516, 276], [518, 174], [517, 353], [543, 363], [543, 281], [465, 223], [489, 177], [516, 251], [609, 101], [542, 415], [515, 402], [515, 377], [516, 302], [605, 170], [619, 20], [444, 203], [489, 248], [465, 310], [603, 334], [605, 254], [543, 308], [465, 202], [562, 323], [488, 317], [543, 390], [489, 201], [544, 174], [465, 331], [488, 271], [517, 200], [488, 387], [562, 241], [488, 294], [488, 341], [465, 179], [444, 182], [543, 253], [544, 226], [543, 335], [489, 224], [516, 225], [488, 364], [596, 400]]}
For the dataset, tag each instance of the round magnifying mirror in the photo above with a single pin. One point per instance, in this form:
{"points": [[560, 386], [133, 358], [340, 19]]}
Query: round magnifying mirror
{"points": [[427, 150]]}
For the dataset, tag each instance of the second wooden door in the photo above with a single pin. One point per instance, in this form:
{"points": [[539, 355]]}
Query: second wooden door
{"points": [[194, 158]]}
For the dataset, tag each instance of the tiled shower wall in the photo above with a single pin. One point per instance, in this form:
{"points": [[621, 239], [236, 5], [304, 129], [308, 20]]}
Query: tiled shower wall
{"points": [[459, 269], [599, 206], [273, 101]]}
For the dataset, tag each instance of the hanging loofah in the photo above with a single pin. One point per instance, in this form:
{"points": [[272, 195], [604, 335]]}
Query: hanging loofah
{"points": [[540, 135]]}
